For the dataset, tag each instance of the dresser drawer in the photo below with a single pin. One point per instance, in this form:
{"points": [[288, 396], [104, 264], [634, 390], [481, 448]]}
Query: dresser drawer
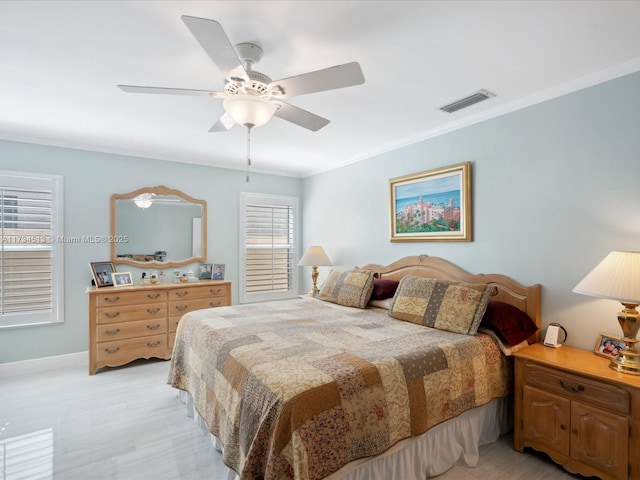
{"points": [[117, 298], [121, 351], [180, 308], [578, 388], [131, 313], [187, 293], [140, 328]]}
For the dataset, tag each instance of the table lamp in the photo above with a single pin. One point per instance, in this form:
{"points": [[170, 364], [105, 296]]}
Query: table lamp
{"points": [[618, 277], [313, 258]]}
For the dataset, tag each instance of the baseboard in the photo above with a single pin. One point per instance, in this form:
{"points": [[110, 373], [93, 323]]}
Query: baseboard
{"points": [[44, 364]]}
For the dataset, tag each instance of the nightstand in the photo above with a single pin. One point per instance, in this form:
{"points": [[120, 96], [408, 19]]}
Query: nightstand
{"points": [[572, 406]]}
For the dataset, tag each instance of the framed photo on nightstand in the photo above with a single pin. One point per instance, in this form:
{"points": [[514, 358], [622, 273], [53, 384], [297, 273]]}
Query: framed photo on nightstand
{"points": [[608, 345]]}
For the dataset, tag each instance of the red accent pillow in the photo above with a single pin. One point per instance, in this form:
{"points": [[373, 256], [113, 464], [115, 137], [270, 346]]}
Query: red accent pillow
{"points": [[511, 324], [383, 288]]}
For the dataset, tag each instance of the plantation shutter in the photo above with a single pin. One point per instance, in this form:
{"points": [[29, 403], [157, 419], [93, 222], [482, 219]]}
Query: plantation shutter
{"points": [[268, 247], [29, 251]]}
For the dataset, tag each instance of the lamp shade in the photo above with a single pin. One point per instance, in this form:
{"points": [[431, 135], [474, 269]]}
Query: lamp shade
{"points": [[616, 277], [315, 256], [249, 110]]}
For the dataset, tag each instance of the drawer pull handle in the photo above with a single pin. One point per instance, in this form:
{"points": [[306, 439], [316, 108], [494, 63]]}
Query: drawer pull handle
{"points": [[571, 389], [181, 308], [154, 344], [111, 315], [153, 310], [112, 332], [150, 327], [215, 292], [182, 294], [111, 299], [113, 350], [563, 427], [574, 431], [215, 304], [152, 296]]}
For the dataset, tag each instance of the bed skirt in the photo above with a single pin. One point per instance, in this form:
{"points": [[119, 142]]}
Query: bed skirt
{"points": [[454, 442]]}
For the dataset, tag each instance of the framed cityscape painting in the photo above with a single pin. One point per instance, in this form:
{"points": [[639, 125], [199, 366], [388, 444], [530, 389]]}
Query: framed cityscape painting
{"points": [[432, 206]]}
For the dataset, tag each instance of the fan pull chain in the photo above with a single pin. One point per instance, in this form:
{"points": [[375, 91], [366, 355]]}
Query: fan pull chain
{"points": [[248, 152]]}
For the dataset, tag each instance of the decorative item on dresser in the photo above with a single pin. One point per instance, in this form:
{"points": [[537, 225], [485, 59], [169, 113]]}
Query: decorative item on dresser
{"points": [[584, 415], [132, 322]]}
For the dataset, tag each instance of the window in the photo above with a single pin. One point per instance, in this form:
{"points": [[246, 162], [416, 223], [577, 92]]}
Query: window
{"points": [[31, 249], [268, 231]]}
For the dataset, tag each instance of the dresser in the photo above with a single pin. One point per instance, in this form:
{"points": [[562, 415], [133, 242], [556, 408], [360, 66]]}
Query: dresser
{"points": [[584, 415], [127, 323]]}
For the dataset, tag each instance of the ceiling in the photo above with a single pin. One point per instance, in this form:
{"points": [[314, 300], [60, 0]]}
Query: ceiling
{"points": [[60, 62]]}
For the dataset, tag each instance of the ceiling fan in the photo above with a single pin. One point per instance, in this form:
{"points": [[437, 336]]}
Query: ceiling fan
{"points": [[251, 98]]}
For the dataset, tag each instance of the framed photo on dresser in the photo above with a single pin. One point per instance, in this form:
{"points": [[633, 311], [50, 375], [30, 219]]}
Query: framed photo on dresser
{"points": [[101, 272], [206, 271], [122, 279], [218, 271]]}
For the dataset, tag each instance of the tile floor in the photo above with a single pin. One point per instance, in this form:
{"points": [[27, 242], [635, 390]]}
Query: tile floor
{"points": [[128, 424]]}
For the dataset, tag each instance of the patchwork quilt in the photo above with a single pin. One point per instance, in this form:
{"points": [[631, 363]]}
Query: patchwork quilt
{"points": [[299, 388]]}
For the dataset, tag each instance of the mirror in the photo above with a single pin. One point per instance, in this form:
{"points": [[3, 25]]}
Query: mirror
{"points": [[158, 227]]}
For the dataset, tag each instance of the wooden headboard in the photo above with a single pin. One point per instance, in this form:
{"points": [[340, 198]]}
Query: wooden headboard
{"points": [[526, 298]]}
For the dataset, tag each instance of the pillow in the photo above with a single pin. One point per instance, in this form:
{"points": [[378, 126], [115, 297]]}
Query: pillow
{"points": [[452, 306], [511, 324], [383, 288], [505, 348], [351, 288]]}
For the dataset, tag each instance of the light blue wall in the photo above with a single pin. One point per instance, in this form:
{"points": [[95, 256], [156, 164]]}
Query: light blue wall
{"points": [[555, 188], [89, 180]]}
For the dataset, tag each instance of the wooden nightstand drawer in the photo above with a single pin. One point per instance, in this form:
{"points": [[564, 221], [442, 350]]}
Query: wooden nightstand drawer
{"points": [[569, 404], [578, 388]]}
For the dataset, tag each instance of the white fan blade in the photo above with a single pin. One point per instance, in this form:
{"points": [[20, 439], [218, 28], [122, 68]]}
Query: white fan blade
{"points": [[170, 91], [224, 123], [330, 78], [215, 42], [300, 117]]}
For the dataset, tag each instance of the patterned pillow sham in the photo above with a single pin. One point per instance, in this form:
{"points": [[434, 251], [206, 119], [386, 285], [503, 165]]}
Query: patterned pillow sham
{"points": [[452, 306], [350, 288]]}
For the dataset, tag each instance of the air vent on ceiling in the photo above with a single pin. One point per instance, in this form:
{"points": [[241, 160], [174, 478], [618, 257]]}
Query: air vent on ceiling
{"points": [[465, 102]]}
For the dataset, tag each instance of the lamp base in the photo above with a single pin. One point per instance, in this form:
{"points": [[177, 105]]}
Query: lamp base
{"points": [[628, 360], [314, 278]]}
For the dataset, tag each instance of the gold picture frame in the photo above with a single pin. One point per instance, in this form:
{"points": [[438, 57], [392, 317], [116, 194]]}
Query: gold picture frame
{"points": [[434, 205], [608, 346]]}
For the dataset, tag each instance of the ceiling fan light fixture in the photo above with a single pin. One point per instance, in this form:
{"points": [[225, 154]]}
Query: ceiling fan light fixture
{"points": [[144, 200], [249, 110]]}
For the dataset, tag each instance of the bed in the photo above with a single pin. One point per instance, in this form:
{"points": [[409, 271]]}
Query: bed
{"points": [[336, 388]]}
